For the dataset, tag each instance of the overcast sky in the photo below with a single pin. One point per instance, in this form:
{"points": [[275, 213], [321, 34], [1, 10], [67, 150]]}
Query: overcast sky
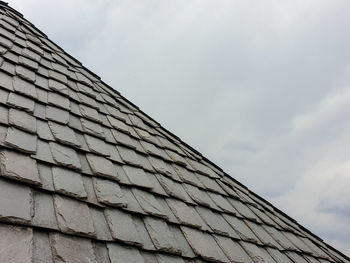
{"points": [[262, 88]]}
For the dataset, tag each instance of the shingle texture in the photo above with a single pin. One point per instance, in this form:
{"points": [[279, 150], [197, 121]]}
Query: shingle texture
{"points": [[86, 176]]}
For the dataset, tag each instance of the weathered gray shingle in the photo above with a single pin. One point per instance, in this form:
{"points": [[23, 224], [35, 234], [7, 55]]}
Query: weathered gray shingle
{"points": [[65, 156], [21, 140], [72, 249], [68, 182], [109, 193], [122, 227], [73, 217], [163, 239], [92, 128], [19, 166], [22, 120], [11, 239], [118, 253], [204, 245], [16, 202], [44, 212]]}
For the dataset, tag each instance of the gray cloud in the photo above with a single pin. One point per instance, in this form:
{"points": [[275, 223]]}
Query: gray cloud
{"points": [[260, 87]]}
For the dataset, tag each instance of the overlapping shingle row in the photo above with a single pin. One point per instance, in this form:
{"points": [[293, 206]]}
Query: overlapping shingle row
{"points": [[87, 177]]}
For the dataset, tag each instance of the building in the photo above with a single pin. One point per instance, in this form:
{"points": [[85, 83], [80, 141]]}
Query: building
{"points": [[87, 177]]}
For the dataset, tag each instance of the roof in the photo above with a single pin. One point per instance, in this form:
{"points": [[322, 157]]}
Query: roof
{"points": [[86, 176]]}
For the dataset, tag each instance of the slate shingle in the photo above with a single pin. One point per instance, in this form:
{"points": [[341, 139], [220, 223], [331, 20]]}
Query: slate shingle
{"points": [[96, 145], [57, 114], [185, 214], [232, 250], [163, 239], [241, 228], [16, 202], [58, 100], [100, 224], [41, 248], [63, 134], [44, 212], [19, 167], [73, 217], [148, 203], [43, 152], [65, 156], [109, 192], [122, 227], [22, 120], [118, 253], [68, 182], [181, 241], [11, 239], [259, 255], [204, 245], [21, 140], [216, 222], [137, 176], [101, 166], [71, 249], [20, 102], [24, 87]]}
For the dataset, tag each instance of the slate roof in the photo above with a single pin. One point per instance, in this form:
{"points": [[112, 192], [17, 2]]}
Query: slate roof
{"points": [[86, 176]]}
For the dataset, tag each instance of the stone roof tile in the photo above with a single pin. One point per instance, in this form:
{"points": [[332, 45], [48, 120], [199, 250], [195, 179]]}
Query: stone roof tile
{"points": [[73, 217], [122, 227]]}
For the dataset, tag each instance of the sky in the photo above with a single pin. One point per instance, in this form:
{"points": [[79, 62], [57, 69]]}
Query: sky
{"points": [[260, 87]]}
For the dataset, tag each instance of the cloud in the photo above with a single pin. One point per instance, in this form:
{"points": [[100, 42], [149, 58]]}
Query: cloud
{"points": [[262, 88]]}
